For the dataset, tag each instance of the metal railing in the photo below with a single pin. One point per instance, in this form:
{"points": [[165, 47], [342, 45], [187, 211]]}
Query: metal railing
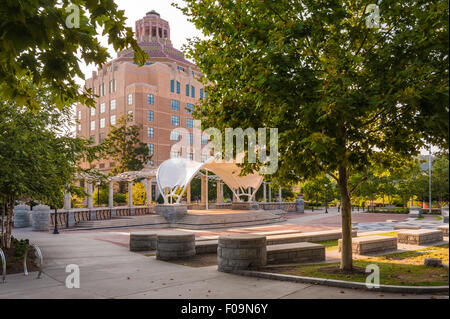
{"points": [[2, 256], [41, 260]]}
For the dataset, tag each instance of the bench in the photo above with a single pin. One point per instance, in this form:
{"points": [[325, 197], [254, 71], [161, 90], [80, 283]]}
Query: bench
{"points": [[407, 227], [307, 237], [444, 230], [371, 244], [210, 246], [295, 252], [420, 236]]}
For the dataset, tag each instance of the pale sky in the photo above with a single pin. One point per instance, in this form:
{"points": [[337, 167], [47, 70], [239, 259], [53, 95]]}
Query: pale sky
{"points": [[180, 28]]}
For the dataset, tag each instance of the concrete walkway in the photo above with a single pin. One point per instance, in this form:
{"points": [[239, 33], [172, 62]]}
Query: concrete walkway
{"points": [[111, 271]]}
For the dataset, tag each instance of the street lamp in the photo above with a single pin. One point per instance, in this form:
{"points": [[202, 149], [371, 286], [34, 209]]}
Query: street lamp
{"points": [[326, 198], [55, 229]]}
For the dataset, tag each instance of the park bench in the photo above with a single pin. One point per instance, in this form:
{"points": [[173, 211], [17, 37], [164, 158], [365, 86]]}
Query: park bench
{"points": [[295, 252], [420, 236], [371, 244], [444, 229]]}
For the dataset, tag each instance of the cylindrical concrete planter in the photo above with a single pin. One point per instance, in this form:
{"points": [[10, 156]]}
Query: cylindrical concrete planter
{"points": [[41, 217], [175, 245], [22, 216], [241, 251], [142, 242]]}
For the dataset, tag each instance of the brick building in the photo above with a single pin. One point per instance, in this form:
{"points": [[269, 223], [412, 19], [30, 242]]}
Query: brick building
{"points": [[160, 94]]}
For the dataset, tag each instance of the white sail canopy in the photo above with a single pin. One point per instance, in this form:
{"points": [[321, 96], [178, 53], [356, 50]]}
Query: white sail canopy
{"points": [[176, 173]]}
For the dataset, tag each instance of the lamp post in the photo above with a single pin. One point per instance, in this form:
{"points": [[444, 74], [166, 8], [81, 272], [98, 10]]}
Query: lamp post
{"points": [[326, 198], [55, 229]]}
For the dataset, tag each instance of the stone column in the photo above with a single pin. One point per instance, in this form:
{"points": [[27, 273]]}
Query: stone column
{"points": [[41, 217], [264, 192], [279, 195], [188, 193], [206, 190], [90, 201], [130, 194], [111, 194], [203, 191], [149, 192], [270, 194], [219, 193], [22, 216], [67, 200]]}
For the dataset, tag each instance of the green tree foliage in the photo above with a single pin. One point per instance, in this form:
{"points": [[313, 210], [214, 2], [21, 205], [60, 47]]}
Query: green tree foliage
{"points": [[342, 95], [124, 146], [39, 46], [314, 189], [38, 157]]}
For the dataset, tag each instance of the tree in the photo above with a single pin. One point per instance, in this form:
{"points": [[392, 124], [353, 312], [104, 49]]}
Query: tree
{"points": [[343, 95], [38, 157], [124, 146], [44, 41], [440, 180]]}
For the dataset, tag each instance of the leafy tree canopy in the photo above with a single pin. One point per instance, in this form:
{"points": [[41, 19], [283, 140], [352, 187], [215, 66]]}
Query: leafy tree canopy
{"points": [[41, 44]]}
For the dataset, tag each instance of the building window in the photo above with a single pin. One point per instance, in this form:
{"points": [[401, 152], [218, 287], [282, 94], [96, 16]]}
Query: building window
{"points": [[175, 120], [174, 136], [112, 104], [189, 123], [102, 123], [130, 99], [113, 120], [150, 132], [150, 162], [79, 128], [191, 138], [102, 107], [92, 111], [94, 90], [192, 91], [174, 154], [150, 99], [201, 94], [102, 137], [92, 138], [187, 89], [150, 149], [79, 115], [191, 156], [172, 86], [178, 87], [112, 86], [189, 108], [92, 125], [150, 116], [204, 140], [175, 105], [102, 165]]}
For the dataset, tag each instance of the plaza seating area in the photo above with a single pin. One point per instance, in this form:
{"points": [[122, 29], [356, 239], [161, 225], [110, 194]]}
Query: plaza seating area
{"points": [[244, 251]]}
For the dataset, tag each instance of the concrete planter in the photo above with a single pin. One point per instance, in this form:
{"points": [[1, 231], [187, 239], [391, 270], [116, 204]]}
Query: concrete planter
{"points": [[415, 212], [22, 216], [41, 217], [444, 214], [171, 213]]}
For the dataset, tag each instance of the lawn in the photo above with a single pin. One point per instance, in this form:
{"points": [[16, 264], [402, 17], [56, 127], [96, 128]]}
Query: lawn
{"points": [[403, 268], [333, 244]]}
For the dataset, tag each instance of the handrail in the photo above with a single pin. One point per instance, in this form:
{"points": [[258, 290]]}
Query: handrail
{"points": [[2, 255], [41, 260]]}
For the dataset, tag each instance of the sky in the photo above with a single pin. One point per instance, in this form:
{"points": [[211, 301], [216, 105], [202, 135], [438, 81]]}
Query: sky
{"points": [[180, 28]]}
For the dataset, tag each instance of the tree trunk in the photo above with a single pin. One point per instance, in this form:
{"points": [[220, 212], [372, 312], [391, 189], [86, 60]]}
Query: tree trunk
{"points": [[3, 238], [10, 220], [346, 213]]}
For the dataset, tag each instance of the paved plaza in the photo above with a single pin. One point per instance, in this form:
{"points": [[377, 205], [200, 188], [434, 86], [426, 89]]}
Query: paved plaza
{"points": [[109, 270]]}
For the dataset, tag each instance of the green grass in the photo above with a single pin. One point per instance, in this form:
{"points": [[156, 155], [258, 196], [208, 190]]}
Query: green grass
{"points": [[420, 218], [404, 268], [329, 244], [438, 218], [150, 255]]}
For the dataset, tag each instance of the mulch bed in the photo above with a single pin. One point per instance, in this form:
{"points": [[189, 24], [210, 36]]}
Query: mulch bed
{"points": [[202, 260], [336, 270], [14, 263]]}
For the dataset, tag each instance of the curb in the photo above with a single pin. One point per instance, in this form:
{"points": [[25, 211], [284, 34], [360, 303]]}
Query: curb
{"points": [[341, 283]]}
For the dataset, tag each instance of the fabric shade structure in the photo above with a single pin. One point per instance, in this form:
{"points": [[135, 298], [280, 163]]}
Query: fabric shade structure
{"points": [[176, 173]]}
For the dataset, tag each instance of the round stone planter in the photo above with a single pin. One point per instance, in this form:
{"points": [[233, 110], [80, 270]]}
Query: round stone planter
{"points": [[142, 242], [22, 216], [241, 251], [175, 245], [40, 217]]}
